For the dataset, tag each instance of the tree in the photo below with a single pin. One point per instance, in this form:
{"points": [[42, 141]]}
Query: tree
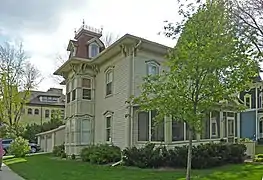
{"points": [[32, 129], [208, 64], [249, 15], [109, 39], [17, 77]]}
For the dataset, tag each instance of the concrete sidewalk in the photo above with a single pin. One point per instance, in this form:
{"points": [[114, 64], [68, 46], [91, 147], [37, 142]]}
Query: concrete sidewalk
{"points": [[8, 174]]}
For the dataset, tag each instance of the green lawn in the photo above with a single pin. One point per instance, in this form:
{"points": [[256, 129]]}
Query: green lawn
{"points": [[259, 149], [43, 167]]}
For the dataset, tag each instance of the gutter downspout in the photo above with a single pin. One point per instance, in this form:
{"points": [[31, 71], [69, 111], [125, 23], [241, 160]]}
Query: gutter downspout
{"points": [[132, 92]]}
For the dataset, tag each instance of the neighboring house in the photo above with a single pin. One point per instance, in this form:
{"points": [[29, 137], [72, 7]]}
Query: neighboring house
{"points": [[42, 105], [252, 118], [98, 83]]}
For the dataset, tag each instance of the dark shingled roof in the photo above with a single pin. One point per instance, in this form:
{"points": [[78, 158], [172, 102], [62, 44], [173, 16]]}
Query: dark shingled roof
{"points": [[52, 92]]}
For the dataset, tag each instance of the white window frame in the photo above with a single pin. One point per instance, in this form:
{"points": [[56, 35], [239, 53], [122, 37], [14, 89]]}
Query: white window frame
{"points": [[108, 139], [108, 80], [245, 100], [90, 49], [86, 88], [151, 64], [85, 131], [213, 121]]}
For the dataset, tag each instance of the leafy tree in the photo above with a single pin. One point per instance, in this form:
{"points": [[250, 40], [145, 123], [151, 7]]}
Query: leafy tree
{"points": [[208, 64], [17, 77], [32, 129]]}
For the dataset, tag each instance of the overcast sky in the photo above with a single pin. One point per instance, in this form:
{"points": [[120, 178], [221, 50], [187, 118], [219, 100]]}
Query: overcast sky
{"points": [[45, 26]]}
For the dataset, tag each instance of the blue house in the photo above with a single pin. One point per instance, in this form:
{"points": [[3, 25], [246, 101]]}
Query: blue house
{"points": [[251, 119]]}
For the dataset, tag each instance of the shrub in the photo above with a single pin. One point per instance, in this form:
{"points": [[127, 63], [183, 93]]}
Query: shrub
{"points": [[58, 150], [101, 154], [63, 155], [203, 156], [19, 147], [73, 156], [258, 158]]}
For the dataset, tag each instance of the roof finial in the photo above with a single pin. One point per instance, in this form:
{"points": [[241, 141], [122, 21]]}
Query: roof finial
{"points": [[75, 31], [101, 29], [83, 23]]}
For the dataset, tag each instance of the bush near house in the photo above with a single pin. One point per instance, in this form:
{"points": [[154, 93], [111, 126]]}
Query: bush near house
{"points": [[101, 154], [19, 147], [204, 156], [58, 150], [258, 158]]}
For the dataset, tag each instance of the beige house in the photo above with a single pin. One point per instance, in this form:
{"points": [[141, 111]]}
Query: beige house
{"points": [[98, 83], [42, 105]]}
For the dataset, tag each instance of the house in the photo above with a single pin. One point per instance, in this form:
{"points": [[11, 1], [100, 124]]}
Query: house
{"points": [[251, 120], [42, 105], [98, 83]]}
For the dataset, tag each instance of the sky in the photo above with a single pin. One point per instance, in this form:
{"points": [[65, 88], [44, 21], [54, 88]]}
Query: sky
{"points": [[45, 26]]}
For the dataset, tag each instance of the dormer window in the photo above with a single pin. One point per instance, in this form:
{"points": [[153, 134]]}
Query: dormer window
{"points": [[93, 50]]}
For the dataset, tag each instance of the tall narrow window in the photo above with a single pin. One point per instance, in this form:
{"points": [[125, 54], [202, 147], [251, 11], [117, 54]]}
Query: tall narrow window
{"points": [[177, 131], [143, 126], [157, 128], [73, 95], [68, 97], [260, 100], [29, 111], [108, 128], [152, 68], [247, 100], [213, 127], [109, 79], [86, 88], [47, 114], [231, 125], [36, 111], [261, 127]]}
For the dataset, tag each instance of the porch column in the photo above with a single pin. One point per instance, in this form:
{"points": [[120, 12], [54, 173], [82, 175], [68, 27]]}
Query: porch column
{"points": [[257, 112], [184, 131], [167, 130], [238, 125], [221, 124]]}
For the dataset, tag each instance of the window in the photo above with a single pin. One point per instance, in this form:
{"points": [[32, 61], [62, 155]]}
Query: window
{"points": [[93, 50], [36, 111], [152, 68], [109, 79], [108, 128], [261, 126], [68, 97], [260, 101], [177, 131], [213, 127], [29, 111], [73, 95], [231, 125], [147, 125], [85, 131], [86, 88], [47, 113], [247, 100]]}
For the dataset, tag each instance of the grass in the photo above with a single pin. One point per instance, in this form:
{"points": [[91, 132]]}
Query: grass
{"points": [[259, 149], [43, 167]]}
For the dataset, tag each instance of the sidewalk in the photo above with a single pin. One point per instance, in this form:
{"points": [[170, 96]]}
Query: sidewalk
{"points": [[7, 174]]}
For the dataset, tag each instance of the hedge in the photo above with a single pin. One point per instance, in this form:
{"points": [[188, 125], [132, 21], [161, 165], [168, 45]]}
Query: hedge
{"points": [[101, 154], [203, 156]]}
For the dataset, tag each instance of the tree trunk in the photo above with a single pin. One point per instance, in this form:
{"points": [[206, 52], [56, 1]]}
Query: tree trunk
{"points": [[189, 157]]}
